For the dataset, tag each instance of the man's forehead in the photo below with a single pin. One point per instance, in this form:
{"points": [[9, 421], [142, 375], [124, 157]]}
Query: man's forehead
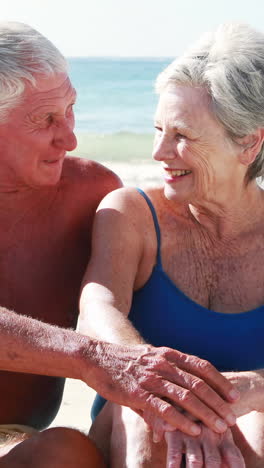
{"points": [[57, 86]]}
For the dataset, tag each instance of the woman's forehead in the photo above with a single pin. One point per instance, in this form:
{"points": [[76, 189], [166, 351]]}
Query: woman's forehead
{"points": [[187, 107]]}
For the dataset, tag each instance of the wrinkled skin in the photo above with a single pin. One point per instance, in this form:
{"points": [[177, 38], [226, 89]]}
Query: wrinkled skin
{"points": [[208, 449], [177, 377]]}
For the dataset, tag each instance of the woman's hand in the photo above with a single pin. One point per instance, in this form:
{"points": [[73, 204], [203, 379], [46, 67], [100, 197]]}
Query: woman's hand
{"points": [[209, 450], [251, 388]]}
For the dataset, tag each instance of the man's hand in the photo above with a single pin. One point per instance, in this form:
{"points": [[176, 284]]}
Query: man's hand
{"points": [[156, 379], [209, 450]]}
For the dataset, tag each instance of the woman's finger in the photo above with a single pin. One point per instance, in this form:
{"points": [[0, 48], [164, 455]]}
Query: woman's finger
{"points": [[193, 453], [232, 456], [174, 449], [212, 456]]}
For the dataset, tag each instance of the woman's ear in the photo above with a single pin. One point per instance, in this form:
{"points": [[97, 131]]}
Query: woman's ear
{"points": [[250, 146]]}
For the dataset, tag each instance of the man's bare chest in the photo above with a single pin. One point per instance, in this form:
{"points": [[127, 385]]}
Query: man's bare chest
{"points": [[41, 268]]}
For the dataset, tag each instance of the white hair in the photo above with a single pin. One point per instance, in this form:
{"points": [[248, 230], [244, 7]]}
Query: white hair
{"points": [[229, 64], [24, 53]]}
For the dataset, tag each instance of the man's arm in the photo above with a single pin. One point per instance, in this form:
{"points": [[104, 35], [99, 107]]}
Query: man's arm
{"points": [[117, 252], [30, 346], [136, 376]]}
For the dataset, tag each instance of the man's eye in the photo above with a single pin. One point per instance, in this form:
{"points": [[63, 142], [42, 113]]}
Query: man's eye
{"points": [[47, 120]]}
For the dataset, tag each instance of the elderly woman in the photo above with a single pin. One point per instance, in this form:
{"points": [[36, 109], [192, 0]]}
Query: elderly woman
{"points": [[183, 265]]}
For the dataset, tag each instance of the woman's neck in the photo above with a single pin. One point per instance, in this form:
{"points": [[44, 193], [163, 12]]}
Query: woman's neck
{"points": [[232, 215]]}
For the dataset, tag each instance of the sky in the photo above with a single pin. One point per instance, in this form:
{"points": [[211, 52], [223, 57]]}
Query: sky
{"points": [[140, 28]]}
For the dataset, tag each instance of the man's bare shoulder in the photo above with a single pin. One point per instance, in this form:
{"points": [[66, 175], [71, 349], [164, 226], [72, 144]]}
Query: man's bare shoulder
{"points": [[88, 179]]}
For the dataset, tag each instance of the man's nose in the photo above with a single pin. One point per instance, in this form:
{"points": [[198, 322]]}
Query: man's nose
{"points": [[65, 137]]}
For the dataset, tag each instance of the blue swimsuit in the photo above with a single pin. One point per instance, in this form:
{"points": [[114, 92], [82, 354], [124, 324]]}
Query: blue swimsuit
{"points": [[164, 316]]}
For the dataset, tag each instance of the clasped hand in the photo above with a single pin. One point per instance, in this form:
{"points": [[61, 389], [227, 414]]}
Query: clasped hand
{"points": [[207, 450]]}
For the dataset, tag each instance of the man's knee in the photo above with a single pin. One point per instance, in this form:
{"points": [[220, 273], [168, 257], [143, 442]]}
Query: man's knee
{"points": [[71, 444], [55, 448]]}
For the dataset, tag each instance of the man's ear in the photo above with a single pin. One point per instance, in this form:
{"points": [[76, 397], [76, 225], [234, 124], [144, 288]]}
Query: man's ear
{"points": [[250, 146]]}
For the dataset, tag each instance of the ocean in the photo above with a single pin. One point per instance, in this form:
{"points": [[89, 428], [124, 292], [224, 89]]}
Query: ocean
{"points": [[115, 106]]}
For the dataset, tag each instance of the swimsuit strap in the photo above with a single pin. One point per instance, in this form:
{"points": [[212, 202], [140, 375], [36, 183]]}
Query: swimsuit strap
{"points": [[156, 224]]}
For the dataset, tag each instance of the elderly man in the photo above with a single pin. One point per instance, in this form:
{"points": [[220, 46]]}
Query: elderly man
{"points": [[47, 204]]}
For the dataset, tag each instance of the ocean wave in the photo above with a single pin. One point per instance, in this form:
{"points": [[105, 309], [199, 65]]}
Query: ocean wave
{"points": [[118, 146]]}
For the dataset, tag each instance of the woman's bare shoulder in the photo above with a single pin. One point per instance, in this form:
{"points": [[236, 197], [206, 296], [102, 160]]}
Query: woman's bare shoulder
{"points": [[130, 198]]}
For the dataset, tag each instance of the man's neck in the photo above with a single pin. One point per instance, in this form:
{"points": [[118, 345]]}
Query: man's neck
{"points": [[19, 200]]}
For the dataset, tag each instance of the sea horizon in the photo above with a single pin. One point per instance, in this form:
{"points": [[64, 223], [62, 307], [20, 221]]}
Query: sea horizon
{"points": [[115, 105]]}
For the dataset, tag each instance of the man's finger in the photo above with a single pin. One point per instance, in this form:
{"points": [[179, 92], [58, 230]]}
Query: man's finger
{"points": [[207, 395], [158, 425], [206, 371], [167, 412], [187, 400]]}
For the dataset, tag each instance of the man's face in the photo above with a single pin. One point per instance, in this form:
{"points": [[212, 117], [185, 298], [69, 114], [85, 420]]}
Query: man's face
{"points": [[38, 133]]}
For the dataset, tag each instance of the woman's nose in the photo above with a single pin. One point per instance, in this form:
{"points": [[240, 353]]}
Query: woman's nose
{"points": [[163, 148]]}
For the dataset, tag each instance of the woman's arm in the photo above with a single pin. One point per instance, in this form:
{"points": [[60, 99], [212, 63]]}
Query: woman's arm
{"points": [[119, 249], [108, 284]]}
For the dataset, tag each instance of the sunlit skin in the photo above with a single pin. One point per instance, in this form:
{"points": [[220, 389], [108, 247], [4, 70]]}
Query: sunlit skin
{"points": [[43, 124], [47, 204], [188, 137], [211, 224]]}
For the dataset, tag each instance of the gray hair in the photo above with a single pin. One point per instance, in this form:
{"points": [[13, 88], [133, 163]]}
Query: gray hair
{"points": [[24, 52], [229, 64]]}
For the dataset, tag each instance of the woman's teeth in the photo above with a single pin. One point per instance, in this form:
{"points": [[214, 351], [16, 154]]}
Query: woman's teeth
{"points": [[179, 173]]}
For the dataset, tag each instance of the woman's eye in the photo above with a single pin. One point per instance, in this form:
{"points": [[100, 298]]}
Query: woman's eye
{"points": [[180, 135]]}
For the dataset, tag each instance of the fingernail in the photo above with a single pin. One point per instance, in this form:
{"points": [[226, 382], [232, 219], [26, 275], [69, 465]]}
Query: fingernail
{"points": [[156, 438], [220, 425], [234, 394], [231, 419], [196, 430]]}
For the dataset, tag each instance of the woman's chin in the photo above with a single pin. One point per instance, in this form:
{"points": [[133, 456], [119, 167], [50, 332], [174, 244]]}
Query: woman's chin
{"points": [[180, 196]]}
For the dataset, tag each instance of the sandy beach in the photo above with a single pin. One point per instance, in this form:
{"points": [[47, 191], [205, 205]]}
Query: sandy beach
{"points": [[137, 174], [78, 397]]}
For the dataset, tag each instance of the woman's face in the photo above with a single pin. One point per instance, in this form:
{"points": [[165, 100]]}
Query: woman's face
{"points": [[198, 158]]}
